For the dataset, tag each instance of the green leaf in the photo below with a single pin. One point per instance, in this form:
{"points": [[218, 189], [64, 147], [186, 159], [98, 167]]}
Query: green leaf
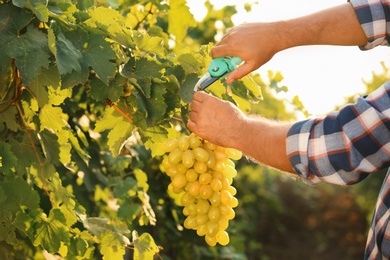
{"points": [[145, 247], [52, 231], [9, 118], [125, 188], [149, 44], [18, 3], [8, 160], [68, 57], [19, 208], [118, 135], [120, 129], [112, 247], [29, 49], [142, 68], [41, 11], [51, 118], [109, 21], [179, 19], [50, 145], [98, 55], [187, 88], [155, 137], [129, 212], [192, 62], [100, 91]]}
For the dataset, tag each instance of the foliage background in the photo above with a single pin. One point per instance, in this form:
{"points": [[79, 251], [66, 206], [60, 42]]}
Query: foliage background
{"points": [[89, 90]]}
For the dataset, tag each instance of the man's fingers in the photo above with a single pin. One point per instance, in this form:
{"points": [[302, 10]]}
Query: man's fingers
{"points": [[240, 72]]}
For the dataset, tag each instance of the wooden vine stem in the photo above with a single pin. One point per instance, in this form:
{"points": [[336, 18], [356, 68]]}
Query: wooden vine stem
{"points": [[111, 104]]}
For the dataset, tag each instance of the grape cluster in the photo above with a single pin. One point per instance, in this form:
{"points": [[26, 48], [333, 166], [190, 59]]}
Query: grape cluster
{"points": [[203, 173]]}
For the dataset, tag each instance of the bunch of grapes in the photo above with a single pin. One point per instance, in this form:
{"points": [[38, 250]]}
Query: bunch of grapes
{"points": [[203, 173]]}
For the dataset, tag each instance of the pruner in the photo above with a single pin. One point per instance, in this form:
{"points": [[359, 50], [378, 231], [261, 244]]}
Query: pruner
{"points": [[219, 68]]}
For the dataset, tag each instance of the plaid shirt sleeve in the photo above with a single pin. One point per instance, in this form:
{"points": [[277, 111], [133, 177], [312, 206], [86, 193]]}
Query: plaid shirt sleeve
{"points": [[343, 147], [374, 17]]}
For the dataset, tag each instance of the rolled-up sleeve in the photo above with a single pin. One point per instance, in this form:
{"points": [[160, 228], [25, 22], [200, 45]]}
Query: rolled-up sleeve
{"points": [[374, 17], [343, 147]]}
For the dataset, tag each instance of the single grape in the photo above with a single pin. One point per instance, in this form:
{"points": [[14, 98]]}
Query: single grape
{"points": [[201, 154], [222, 238]]}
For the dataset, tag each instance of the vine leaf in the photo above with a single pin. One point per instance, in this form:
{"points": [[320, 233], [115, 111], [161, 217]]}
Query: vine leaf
{"points": [[8, 117], [68, 57], [97, 55], [148, 43], [187, 88], [119, 127], [50, 145], [52, 231], [51, 118], [29, 50], [19, 207], [8, 160], [179, 11], [144, 246]]}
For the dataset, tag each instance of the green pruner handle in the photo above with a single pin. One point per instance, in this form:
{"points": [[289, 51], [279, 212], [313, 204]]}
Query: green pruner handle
{"points": [[222, 66]]}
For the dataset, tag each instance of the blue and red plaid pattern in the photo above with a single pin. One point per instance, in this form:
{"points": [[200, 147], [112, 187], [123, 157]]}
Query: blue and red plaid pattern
{"points": [[344, 147], [374, 16]]}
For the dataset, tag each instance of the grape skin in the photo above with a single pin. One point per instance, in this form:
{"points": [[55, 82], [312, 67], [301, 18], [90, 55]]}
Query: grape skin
{"points": [[203, 173]]}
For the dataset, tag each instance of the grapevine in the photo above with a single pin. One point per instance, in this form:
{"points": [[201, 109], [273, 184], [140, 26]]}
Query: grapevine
{"points": [[202, 173]]}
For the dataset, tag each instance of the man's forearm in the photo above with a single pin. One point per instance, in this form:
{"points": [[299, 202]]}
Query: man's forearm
{"points": [[338, 25], [265, 141]]}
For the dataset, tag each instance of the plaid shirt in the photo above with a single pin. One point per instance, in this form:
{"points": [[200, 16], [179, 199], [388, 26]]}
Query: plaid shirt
{"points": [[344, 147]]}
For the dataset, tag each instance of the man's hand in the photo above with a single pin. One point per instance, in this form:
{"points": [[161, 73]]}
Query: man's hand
{"points": [[215, 120], [222, 123], [257, 43]]}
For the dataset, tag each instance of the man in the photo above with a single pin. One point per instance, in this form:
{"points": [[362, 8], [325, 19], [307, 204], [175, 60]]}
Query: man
{"points": [[342, 147]]}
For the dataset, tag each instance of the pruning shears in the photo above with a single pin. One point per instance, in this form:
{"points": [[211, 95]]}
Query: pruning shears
{"points": [[219, 68]]}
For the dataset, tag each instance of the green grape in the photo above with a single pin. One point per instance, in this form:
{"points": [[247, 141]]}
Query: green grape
{"points": [[229, 171], [234, 202], [214, 214], [225, 209], [215, 199], [201, 230], [202, 207], [191, 175], [210, 240], [201, 154], [212, 229], [183, 142], [201, 219], [222, 238], [202, 173], [205, 192], [200, 167], [211, 161], [210, 146], [216, 184], [188, 158], [194, 141], [233, 153], [174, 157], [179, 181], [232, 190], [169, 145], [190, 222], [187, 199], [220, 155], [205, 178], [226, 197], [194, 188], [223, 222]]}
